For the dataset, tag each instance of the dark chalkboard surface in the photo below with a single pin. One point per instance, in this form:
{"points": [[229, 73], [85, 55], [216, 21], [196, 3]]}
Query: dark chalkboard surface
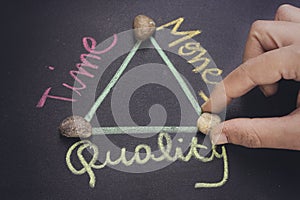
{"points": [[43, 43]]}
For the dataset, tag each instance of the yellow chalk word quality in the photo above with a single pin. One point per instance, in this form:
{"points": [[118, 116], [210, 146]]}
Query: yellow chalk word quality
{"points": [[88, 167]]}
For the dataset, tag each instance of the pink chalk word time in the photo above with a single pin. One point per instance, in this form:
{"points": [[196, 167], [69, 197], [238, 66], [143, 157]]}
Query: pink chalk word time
{"points": [[89, 44]]}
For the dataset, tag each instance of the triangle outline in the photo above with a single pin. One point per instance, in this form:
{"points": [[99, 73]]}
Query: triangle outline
{"points": [[143, 129]]}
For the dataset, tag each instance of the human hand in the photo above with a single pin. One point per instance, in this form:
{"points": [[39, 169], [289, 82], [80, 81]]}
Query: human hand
{"points": [[272, 53]]}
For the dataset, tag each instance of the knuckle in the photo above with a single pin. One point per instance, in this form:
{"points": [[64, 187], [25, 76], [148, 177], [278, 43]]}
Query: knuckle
{"points": [[257, 27], [245, 71], [291, 71]]}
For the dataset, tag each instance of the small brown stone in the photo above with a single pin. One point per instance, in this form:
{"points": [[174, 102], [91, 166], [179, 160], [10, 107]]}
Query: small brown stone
{"points": [[207, 122], [144, 27], [75, 126]]}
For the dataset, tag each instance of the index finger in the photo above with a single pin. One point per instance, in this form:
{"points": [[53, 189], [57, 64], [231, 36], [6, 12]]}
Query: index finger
{"points": [[267, 68]]}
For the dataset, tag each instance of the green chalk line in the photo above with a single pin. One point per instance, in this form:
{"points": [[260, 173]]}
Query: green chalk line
{"points": [[181, 82], [143, 129], [112, 82]]}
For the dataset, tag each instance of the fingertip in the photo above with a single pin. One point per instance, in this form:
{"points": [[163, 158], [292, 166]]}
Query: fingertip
{"points": [[235, 131], [206, 107], [217, 136], [218, 139]]}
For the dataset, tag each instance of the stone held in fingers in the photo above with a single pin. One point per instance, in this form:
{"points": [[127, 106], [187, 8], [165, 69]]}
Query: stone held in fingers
{"points": [[144, 27], [207, 122], [75, 126]]}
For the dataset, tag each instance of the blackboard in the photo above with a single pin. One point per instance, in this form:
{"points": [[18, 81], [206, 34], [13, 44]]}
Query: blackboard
{"points": [[42, 42]]}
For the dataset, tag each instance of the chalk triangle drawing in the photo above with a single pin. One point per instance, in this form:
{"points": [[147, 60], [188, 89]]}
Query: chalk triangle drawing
{"points": [[143, 129]]}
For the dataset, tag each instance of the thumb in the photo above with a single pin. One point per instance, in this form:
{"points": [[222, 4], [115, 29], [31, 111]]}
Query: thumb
{"points": [[277, 132]]}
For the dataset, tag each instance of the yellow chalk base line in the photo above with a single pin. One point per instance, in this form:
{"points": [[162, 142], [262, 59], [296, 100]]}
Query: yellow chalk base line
{"points": [[143, 129]]}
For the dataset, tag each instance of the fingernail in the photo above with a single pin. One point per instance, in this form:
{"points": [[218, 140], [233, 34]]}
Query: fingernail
{"points": [[204, 107], [218, 139]]}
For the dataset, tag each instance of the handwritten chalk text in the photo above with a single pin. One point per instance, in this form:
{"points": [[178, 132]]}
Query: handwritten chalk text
{"points": [[189, 49], [89, 44], [193, 152]]}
